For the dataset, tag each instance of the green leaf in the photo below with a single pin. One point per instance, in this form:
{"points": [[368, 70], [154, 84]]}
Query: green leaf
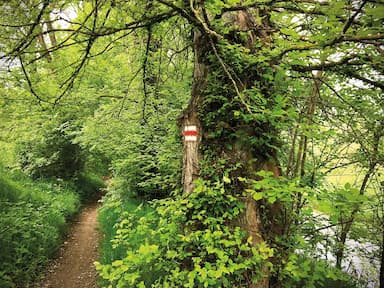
{"points": [[258, 196], [117, 263]]}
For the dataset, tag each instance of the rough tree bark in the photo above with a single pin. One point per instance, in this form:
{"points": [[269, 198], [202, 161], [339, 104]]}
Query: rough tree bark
{"points": [[240, 151], [189, 117]]}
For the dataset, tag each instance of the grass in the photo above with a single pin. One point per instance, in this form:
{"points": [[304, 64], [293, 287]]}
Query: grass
{"points": [[109, 215], [114, 209], [33, 218]]}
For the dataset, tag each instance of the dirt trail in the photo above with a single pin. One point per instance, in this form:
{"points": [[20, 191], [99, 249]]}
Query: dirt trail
{"points": [[74, 266]]}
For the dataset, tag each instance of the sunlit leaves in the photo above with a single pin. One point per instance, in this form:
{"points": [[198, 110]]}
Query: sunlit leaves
{"points": [[186, 242]]}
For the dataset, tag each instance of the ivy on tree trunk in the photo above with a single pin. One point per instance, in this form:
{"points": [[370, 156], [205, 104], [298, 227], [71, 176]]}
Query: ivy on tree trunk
{"points": [[225, 137]]}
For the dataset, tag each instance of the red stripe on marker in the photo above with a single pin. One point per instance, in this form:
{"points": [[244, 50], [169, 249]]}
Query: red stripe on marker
{"points": [[190, 133]]}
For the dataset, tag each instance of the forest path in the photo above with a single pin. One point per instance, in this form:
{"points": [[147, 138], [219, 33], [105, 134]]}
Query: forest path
{"points": [[74, 265]]}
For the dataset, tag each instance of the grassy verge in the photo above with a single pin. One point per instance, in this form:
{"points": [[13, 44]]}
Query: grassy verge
{"points": [[109, 215], [33, 218]]}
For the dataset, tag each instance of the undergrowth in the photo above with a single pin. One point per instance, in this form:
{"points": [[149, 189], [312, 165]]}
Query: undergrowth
{"points": [[189, 241], [89, 186], [33, 217], [181, 242], [110, 214]]}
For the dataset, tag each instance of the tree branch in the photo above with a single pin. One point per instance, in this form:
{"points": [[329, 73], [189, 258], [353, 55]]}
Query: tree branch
{"points": [[355, 75], [328, 65], [30, 83], [23, 44], [350, 20], [341, 39]]}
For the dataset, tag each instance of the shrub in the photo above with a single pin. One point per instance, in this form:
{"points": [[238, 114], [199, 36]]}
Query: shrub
{"points": [[111, 213], [191, 241], [185, 242], [150, 165], [54, 154], [301, 271], [88, 186], [32, 222]]}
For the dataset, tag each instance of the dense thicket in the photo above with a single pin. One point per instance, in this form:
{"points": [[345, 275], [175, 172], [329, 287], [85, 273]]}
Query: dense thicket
{"points": [[33, 219]]}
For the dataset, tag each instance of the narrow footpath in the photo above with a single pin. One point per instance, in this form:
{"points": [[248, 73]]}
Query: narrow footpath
{"points": [[74, 266]]}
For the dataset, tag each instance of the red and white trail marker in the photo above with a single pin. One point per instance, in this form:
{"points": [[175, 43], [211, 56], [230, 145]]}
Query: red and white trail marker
{"points": [[190, 133]]}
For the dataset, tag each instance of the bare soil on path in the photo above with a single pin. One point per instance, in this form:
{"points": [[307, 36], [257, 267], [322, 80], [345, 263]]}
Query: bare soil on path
{"points": [[74, 267]]}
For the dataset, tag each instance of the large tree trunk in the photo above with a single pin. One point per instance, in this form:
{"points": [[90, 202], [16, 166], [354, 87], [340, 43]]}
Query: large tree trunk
{"points": [[214, 142], [189, 120]]}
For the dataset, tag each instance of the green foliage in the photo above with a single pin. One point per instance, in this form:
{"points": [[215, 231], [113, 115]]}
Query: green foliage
{"points": [[89, 186], [297, 265], [255, 91], [32, 222], [9, 191], [150, 167], [29, 237], [53, 154], [338, 202], [305, 272], [137, 136], [273, 189], [111, 213], [185, 242]]}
